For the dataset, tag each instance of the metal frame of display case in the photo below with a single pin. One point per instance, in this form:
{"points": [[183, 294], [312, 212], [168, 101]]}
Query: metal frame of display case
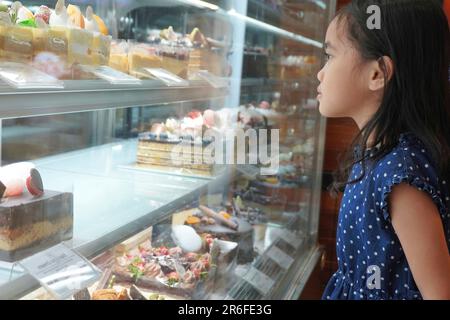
{"points": [[92, 95]]}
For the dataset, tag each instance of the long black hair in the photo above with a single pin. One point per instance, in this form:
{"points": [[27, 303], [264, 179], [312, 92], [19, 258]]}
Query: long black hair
{"points": [[415, 35]]}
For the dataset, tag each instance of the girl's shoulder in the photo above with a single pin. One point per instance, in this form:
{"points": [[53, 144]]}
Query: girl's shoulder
{"points": [[409, 157], [409, 162]]}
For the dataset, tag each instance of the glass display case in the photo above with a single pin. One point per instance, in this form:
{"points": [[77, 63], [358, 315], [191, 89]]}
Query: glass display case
{"points": [[175, 145]]}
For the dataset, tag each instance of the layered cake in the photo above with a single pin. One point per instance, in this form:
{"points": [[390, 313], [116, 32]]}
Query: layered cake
{"points": [[18, 44], [140, 57], [206, 59], [32, 220], [185, 55], [30, 224], [119, 56], [174, 51], [157, 151], [79, 43], [176, 144]]}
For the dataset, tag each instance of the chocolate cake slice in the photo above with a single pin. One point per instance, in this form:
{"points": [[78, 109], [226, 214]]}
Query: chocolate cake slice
{"points": [[30, 224]]}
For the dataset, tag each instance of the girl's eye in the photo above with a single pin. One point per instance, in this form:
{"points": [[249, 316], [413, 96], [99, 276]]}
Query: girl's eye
{"points": [[327, 56]]}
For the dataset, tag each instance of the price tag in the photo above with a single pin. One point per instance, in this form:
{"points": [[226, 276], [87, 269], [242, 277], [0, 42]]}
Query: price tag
{"points": [[61, 271], [111, 75], [22, 76], [170, 79], [291, 238], [213, 80], [280, 257], [259, 280]]}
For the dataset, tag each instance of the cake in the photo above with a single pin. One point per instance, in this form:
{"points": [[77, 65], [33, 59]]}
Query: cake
{"points": [[205, 59], [58, 41], [156, 151], [185, 55], [175, 60], [177, 144], [118, 58], [141, 56], [174, 51], [100, 50], [39, 40], [18, 44], [29, 224], [32, 220], [80, 42], [64, 32]]}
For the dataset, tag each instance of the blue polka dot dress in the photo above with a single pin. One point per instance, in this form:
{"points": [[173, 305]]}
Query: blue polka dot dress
{"points": [[371, 262]]}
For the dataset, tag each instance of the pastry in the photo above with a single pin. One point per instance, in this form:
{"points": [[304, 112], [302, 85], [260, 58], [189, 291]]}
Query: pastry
{"points": [[79, 43], [18, 43], [110, 294], [100, 50], [142, 56], [118, 58]]}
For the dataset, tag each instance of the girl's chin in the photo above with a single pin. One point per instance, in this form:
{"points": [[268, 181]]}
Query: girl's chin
{"points": [[328, 112]]}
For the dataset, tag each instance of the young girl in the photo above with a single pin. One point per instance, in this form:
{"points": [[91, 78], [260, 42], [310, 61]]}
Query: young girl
{"points": [[393, 237]]}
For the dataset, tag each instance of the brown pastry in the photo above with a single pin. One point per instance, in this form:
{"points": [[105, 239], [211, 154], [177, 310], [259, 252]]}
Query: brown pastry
{"points": [[110, 294]]}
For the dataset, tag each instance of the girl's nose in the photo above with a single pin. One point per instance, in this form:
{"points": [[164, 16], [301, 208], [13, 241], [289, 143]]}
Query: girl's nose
{"points": [[320, 75]]}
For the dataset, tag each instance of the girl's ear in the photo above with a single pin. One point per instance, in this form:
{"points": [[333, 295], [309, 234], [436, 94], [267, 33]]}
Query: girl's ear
{"points": [[381, 72]]}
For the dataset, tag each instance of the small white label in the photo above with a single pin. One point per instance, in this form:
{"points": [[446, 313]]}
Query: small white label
{"points": [[170, 79], [259, 280], [280, 257], [291, 238], [61, 271], [111, 75], [213, 80], [22, 76]]}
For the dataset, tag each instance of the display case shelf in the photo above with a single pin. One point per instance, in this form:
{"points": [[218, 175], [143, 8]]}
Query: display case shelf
{"points": [[89, 95], [305, 82], [285, 16]]}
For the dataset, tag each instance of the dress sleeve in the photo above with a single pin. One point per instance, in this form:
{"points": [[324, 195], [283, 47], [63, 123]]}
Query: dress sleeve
{"points": [[415, 180]]}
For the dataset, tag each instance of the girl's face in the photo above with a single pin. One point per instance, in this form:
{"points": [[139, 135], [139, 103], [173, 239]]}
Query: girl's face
{"points": [[343, 89]]}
